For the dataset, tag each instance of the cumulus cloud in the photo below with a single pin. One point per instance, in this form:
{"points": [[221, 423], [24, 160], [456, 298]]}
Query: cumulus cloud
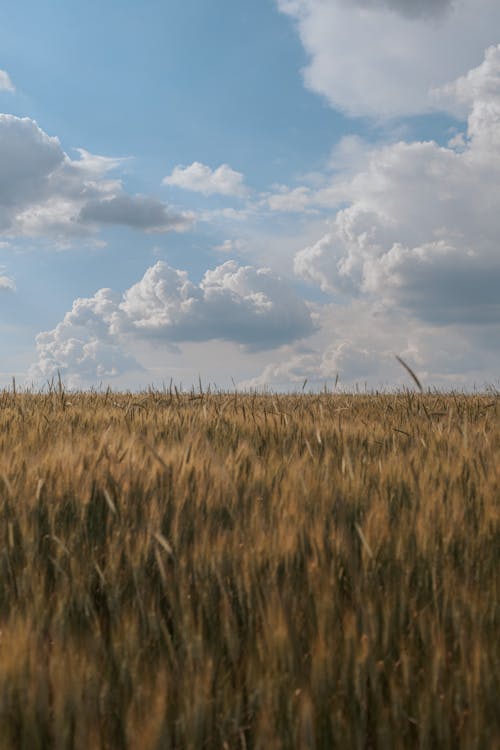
{"points": [[412, 260], [383, 58], [5, 82], [251, 306], [43, 191], [242, 304], [421, 229], [356, 343], [29, 158], [81, 347], [346, 359], [200, 178]]}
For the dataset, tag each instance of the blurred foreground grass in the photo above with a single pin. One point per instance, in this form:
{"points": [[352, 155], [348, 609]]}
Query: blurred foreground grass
{"points": [[244, 571]]}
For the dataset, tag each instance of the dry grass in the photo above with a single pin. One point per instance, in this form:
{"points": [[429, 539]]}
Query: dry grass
{"points": [[227, 571]]}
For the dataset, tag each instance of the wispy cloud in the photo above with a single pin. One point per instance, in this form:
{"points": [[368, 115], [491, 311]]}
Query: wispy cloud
{"points": [[5, 82]]}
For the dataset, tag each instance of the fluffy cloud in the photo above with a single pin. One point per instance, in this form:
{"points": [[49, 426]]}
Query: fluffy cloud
{"points": [[246, 305], [81, 346], [384, 57], [29, 158], [5, 82], [421, 229], [200, 178], [412, 261], [43, 191]]}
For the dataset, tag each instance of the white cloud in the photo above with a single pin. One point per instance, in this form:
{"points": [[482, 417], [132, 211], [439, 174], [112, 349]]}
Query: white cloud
{"points": [[230, 246], [290, 199], [29, 158], [96, 167], [383, 57], [412, 261], [249, 306], [7, 284], [357, 343], [5, 82], [347, 158], [44, 192], [421, 229], [349, 155], [478, 94], [200, 178], [81, 347], [356, 364]]}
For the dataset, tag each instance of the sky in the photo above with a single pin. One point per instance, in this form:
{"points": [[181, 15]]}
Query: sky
{"points": [[250, 194]]}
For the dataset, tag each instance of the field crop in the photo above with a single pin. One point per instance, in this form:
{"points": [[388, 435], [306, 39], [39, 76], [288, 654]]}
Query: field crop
{"points": [[249, 571]]}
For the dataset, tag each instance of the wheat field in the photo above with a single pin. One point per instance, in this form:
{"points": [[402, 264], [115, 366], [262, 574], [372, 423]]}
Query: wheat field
{"points": [[220, 570]]}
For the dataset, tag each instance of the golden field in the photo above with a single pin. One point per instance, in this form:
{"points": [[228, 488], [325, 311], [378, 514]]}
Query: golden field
{"points": [[211, 570]]}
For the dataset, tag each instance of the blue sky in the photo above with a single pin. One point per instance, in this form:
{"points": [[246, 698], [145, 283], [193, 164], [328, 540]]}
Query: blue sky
{"points": [[258, 192], [163, 81]]}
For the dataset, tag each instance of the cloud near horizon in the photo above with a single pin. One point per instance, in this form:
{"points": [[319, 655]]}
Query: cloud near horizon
{"points": [[251, 307], [417, 245]]}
